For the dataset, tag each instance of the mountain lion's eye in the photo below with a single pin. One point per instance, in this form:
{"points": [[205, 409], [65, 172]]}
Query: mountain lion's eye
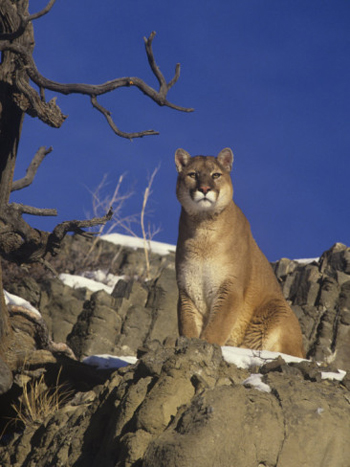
{"points": [[216, 175], [192, 174]]}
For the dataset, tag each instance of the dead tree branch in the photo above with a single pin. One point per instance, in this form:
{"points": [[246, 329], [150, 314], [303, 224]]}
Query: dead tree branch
{"points": [[18, 74], [31, 210], [60, 231], [21, 243], [34, 104], [41, 13], [22, 90], [25, 19], [32, 169], [114, 127]]}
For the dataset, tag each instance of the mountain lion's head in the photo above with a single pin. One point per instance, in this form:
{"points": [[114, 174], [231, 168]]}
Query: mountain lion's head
{"points": [[204, 184]]}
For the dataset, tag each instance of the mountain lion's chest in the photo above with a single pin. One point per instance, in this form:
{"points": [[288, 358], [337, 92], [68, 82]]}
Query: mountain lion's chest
{"points": [[200, 276]]}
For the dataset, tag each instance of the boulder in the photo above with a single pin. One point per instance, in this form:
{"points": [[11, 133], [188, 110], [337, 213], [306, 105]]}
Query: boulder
{"points": [[133, 316]]}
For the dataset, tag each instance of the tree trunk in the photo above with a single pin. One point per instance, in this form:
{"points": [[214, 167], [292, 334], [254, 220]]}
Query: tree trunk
{"points": [[11, 119]]}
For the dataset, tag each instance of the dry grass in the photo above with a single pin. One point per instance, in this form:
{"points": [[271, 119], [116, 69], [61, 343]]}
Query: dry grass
{"points": [[38, 401], [147, 235], [101, 203]]}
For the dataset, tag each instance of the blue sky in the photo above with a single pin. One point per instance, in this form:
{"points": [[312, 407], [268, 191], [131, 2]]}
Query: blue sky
{"points": [[268, 78]]}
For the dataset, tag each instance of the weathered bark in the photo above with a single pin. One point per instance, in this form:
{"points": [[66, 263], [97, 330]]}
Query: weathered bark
{"points": [[11, 120], [11, 116]]}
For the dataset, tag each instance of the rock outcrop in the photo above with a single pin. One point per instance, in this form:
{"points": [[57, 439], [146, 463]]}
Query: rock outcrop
{"points": [[319, 293], [184, 406], [138, 312], [181, 404]]}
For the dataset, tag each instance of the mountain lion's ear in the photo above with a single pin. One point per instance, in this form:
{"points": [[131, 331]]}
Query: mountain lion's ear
{"points": [[225, 158], [182, 158]]}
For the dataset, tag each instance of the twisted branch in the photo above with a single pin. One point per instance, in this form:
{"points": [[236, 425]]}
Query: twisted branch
{"points": [[21, 243], [35, 105], [31, 210], [114, 127], [32, 169], [41, 13], [25, 19], [60, 231]]}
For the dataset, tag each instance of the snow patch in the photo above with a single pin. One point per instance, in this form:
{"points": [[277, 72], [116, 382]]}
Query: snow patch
{"points": [[97, 280], [104, 277], [159, 248], [306, 260], [254, 380], [333, 375], [18, 301], [242, 358], [109, 362], [247, 358]]}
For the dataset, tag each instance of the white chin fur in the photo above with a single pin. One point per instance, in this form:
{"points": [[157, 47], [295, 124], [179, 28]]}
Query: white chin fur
{"points": [[208, 199], [200, 202]]}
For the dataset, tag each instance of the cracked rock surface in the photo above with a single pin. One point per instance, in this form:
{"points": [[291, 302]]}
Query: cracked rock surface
{"points": [[319, 293], [181, 404], [184, 406]]}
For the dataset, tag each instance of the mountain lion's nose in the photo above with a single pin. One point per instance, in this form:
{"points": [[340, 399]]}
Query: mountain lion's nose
{"points": [[204, 189]]}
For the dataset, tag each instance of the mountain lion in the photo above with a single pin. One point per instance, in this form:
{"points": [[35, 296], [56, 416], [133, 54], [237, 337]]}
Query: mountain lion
{"points": [[228, 293]]}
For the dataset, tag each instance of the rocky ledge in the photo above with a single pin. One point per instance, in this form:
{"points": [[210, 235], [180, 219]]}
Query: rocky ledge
{"points": [[181, 403]]}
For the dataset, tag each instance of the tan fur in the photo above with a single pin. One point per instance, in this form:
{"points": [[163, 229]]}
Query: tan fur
{"points": [[228, 293]]}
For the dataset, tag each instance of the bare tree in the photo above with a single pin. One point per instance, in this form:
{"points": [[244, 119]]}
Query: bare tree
{"points": [[22, 90]]}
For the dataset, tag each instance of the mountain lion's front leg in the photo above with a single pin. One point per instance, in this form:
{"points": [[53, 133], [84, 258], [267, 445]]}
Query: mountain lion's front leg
{"points": [[190, 320], [227, 321]]}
